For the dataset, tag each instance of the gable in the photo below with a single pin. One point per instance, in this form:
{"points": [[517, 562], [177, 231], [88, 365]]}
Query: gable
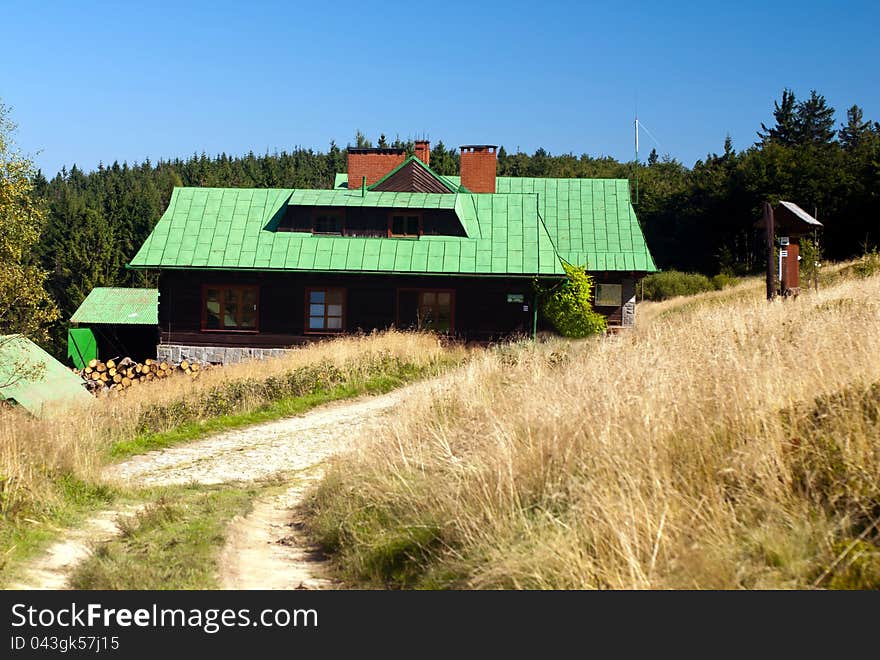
{"points": [[413, 176]]}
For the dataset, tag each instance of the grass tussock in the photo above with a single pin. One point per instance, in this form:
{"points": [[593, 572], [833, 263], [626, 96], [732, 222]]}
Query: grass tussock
{"points": [[734, 444], [37, 457], [173, 543]]}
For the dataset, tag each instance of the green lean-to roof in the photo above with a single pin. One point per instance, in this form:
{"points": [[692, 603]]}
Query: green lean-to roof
{"points": [[119, 306], [233, 228], [35, 380]]}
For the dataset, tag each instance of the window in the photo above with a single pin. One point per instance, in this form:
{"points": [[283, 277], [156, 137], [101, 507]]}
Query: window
{"points": [[230, 308], [405, 225], [325, 310], [609, 295], [428, 309], [328, 222], [435, 310]]}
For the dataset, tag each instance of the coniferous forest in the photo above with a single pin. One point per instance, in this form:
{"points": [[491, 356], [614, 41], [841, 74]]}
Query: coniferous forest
{"points": [[696, 219]]}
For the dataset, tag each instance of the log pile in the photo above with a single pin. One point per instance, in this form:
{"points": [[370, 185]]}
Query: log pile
{"points": [[117, 375]]}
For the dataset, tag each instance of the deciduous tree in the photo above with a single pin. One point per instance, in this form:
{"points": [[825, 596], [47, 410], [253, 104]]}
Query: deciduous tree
{"points": [[25, 305]]}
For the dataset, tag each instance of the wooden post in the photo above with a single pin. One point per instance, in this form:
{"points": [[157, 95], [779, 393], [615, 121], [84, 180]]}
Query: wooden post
{"points": [[771, 262]]}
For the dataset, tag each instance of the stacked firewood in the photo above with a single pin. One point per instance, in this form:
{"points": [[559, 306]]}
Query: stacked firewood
{"points": [[113, 375]]}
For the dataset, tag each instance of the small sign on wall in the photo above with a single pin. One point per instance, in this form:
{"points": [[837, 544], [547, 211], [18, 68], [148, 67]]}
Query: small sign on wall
{"points": [[519, 298]]}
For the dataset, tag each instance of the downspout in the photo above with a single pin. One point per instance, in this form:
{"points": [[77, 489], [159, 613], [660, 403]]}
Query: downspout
{"points": [[363, 186]]}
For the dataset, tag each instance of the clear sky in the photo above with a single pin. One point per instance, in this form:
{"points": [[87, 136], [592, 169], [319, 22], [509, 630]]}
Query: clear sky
{"points": [[92, 83]]}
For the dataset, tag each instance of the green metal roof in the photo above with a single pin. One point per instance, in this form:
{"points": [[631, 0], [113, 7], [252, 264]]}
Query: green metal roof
{"points": [[590, 221], [119, 306], [525, 228], [234, 228], [35, 380]]}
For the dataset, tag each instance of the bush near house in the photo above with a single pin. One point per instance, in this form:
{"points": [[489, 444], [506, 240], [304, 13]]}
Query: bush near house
{"points": [[567, 306], [671, 283]]}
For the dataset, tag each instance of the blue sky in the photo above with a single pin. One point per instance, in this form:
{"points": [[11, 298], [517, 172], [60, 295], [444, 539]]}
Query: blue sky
{"points": [[92, 82]]}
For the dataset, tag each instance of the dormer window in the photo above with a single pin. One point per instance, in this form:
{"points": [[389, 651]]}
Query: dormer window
{"points": [[327, 222], [405, 225], [370, 221]]}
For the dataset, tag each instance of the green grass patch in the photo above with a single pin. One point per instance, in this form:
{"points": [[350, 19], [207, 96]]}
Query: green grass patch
{"points": [[281, 408], [24, 536], [173, 543], [375, 544]]}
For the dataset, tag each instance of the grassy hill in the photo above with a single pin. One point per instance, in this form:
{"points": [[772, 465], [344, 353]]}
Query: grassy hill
{"points": [[725, 443]]}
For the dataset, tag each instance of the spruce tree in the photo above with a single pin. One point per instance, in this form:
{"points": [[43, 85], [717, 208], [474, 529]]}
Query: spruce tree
{"points": [[814, 121], [786, 130], [854, 131]]}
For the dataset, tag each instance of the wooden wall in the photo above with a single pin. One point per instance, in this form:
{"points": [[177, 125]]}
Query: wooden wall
{"points": [[481, 310]]}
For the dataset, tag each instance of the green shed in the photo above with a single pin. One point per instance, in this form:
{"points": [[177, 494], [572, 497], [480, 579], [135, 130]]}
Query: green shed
{"points": [[114, 322], [36, 381]]}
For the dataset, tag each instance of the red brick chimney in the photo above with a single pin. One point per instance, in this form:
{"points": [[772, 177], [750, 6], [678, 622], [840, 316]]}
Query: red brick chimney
{"points": [[478, 167], [371, 163], [423, 151]]}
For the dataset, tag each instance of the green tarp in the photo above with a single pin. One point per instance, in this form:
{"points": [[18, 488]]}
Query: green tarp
{"points": [[81, 346]]}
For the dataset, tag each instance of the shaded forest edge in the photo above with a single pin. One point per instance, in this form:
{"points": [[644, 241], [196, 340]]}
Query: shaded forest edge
{"points": [[697, 219]]}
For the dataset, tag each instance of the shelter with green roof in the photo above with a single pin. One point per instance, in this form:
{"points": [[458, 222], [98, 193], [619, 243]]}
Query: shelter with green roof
{"points": [[114, 322], [34, 380], [393, 243]]}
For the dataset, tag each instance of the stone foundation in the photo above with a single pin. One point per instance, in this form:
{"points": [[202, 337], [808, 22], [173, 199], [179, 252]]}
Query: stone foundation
{"points": [[215, 354], [628, 316]]}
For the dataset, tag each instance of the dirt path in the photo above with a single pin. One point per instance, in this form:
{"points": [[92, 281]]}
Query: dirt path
{"points": [[265, 549], [265, 450], [52, 569]]}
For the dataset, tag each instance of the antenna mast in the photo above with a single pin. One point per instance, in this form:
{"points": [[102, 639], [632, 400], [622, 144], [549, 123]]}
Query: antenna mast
{"points": [[637, 157]]}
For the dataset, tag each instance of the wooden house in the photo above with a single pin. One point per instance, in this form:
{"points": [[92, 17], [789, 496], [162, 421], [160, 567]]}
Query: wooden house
{"points": [[246, 272]]}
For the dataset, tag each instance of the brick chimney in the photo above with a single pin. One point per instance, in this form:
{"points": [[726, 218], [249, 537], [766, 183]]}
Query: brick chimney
{"points": [[423, 151], [478, 167], [371, 163]]}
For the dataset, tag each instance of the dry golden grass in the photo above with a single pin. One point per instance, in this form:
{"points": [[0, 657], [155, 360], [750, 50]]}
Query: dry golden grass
{"points": [[731, 445], [35, 453]]}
